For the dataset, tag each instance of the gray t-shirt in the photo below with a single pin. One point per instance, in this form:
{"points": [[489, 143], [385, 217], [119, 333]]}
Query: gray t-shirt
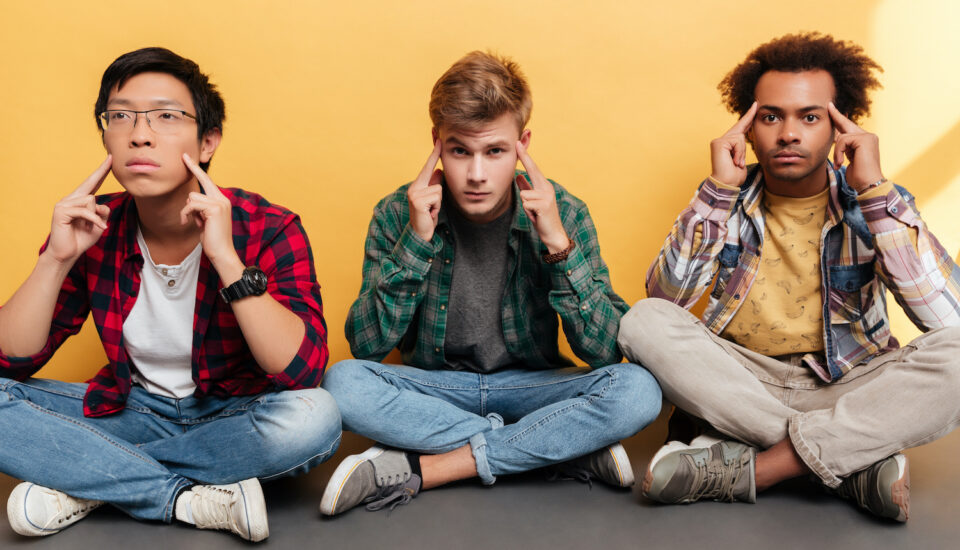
{"points": [[474, 335]]}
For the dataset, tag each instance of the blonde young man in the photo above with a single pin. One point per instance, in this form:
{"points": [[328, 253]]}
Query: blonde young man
{"points": [[793, 361], [466, 271]]}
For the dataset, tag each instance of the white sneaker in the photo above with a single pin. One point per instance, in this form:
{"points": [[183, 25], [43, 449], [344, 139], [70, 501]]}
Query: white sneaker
{"points": [[238, 508], [36, 511]]}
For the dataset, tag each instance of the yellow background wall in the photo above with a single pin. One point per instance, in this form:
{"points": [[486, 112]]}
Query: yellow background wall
{"points": [[327, 108]]}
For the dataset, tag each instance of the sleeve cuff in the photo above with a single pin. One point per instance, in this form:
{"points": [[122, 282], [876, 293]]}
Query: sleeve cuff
{"points": [[715, 200], [414, 253], [573, 273]]}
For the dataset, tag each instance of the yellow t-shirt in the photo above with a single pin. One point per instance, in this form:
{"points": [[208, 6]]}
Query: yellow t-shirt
{"points": [[782, 313]]}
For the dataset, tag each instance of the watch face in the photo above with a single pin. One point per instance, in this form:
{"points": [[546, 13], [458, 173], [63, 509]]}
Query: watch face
{"points": [[257, 278]]}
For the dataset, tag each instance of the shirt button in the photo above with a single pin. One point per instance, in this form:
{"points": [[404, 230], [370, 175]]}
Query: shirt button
{"points": [[893, 209], [171, 282], [436, 350], [429, 260], [164, 271], [736, 296], [569, 272], [584, 307], [442, 307], [446, 261], [413, 293]]}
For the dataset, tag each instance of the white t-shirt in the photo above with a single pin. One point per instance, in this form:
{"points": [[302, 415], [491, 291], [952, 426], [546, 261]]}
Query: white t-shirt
{"points": [[158, 332]]}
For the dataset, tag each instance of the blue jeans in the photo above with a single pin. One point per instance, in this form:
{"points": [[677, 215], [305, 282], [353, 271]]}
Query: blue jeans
{"points": [[140, 458], [514, 420]]}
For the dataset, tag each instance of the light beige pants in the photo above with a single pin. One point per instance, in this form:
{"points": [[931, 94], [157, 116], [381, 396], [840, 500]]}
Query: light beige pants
{"points": [[899, 400]]}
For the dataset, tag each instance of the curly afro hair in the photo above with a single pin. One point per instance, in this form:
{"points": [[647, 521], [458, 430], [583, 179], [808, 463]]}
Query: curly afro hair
{"points": [[850, 68]]}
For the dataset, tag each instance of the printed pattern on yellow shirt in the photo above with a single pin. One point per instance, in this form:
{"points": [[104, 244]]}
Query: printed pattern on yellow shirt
{"points": [[782, 313]]}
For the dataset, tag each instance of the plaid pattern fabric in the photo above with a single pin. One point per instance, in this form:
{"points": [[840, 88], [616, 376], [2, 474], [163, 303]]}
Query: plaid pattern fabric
{"points": [[867, 246], [406, 286], [106, 281]]}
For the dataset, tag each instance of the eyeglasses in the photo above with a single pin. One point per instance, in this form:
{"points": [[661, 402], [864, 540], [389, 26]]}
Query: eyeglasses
{"points": [[161, 121]]}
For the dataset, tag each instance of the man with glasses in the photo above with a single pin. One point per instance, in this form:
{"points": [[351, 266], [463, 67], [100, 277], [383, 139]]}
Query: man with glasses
{"points": [[209, 311]]}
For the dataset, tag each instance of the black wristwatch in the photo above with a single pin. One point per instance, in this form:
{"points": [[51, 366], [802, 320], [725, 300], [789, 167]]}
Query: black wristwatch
{"points": [[252, 283]]}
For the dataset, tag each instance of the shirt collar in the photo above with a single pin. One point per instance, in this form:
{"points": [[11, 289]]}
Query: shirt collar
{"points": [[839, 192]]}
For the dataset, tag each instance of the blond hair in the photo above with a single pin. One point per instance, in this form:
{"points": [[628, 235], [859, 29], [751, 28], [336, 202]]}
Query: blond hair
{"points": [[478, 88]]}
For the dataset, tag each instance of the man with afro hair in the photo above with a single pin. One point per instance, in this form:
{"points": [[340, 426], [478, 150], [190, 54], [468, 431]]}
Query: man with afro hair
{"points": [[792, 369]]}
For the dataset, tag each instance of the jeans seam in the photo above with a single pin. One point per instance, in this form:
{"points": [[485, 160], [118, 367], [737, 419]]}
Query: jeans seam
{"points": [[380, 373], [334, 445], [588, 400]]}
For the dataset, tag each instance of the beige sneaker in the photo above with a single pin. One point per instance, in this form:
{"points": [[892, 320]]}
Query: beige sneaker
{"points": [[36, 511], [237, 507], [882, 489], [707, 468]]}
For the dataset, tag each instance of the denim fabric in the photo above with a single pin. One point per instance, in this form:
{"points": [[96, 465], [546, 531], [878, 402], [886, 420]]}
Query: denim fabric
{"points": [[514, 420], [142, 457]]}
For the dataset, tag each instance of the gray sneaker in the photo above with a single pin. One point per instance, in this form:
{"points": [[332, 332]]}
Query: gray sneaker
{"points": [[609, 464], [708, 468], [883, 489], [37, 511], [377, 477]]}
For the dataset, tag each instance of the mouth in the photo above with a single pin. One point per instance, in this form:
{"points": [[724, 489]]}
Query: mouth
{"points": [[141, 165], [788, 157], [475, 195]]}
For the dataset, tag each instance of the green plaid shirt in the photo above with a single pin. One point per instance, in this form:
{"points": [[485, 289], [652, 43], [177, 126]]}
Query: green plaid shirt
{"points": [[406, 289]]}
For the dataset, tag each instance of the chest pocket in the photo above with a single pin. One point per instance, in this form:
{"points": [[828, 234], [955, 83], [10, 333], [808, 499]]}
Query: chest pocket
{"points": [[850, 291]]}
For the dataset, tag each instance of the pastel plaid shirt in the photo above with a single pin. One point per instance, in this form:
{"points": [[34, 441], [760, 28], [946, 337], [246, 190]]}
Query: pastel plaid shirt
{"points": [[106, 281], [406, 286], [868, 245]]}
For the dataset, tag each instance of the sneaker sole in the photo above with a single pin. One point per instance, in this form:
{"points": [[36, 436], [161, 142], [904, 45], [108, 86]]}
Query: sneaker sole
{"points": [[17, 514], [648, 478], [900, 490], [328, 503], [624, 469], [256, 509]]}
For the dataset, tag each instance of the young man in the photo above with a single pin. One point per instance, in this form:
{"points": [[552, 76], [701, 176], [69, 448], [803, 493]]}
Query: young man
{"points": [[208, 308], [466, 271], [793, 361]]}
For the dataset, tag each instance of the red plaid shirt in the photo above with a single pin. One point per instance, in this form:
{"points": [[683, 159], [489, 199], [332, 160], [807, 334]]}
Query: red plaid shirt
{"points": [[106, 281]]}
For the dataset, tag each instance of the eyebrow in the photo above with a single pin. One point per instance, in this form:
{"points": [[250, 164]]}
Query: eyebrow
{"points": [[156, 102], [806, 109], [453, 140]]}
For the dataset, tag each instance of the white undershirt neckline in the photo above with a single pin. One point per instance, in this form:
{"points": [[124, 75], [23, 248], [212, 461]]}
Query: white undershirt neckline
{"points": [[158, 331]]}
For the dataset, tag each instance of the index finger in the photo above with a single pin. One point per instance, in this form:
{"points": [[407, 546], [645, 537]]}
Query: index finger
{"points": [[843, 123], [528, 165], [423, 178], [94, 180], [745, 121], [205, 182]]}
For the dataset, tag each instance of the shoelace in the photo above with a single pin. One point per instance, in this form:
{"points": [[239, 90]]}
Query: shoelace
{"points": [[392, 492], [70, 506], [856, 488], [573, 473], [211, 506], [721, 478]]}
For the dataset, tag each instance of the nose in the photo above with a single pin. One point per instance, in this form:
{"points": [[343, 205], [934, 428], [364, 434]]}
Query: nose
{"points": [[477, 172], [141, 135], [788, 132]]}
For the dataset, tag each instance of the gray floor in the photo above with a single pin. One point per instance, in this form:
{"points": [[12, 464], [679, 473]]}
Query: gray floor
{"points": [[529, 513]]}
